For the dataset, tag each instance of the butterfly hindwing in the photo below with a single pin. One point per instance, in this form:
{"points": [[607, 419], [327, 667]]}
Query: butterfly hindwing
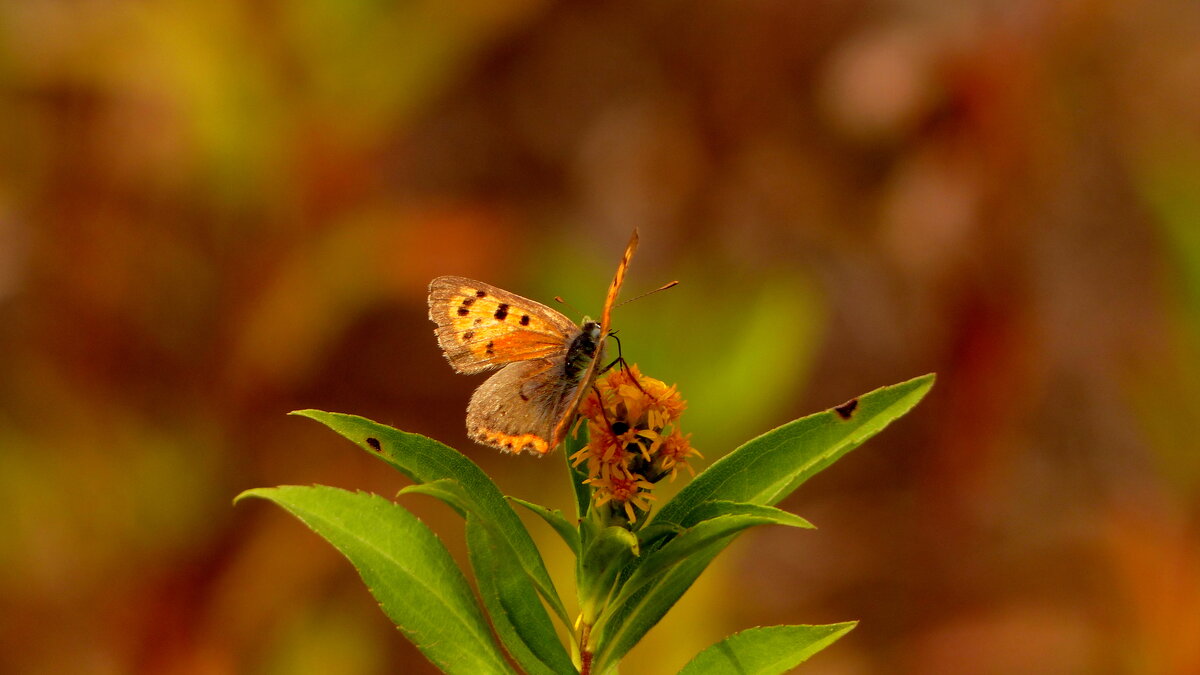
{"points": [[481, 327], [547, 363], [518, 408]]}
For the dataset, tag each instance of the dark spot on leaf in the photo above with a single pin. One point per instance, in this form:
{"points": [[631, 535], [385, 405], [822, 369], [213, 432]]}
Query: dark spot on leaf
{"points": [[374, 443], [846, 409], [620, 427], [466, 337], [481, 294], [463, 311], [501, 311], [524, 319]]}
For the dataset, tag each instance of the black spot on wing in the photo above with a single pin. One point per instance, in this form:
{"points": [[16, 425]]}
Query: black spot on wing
{"points": [[468, 301], [524, 319], [491, 348], [846, 409], [481, 294], [463, 311], [466, 337], [502, 311], [374, 443]]}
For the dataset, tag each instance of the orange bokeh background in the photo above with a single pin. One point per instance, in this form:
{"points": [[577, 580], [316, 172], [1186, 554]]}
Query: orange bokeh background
{"points": [[214, 213]]}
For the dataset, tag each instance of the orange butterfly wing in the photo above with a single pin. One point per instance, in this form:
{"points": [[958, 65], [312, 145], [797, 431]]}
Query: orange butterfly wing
{"points": [[517, 408], [532, 401], [610, 299], [481, 327]]}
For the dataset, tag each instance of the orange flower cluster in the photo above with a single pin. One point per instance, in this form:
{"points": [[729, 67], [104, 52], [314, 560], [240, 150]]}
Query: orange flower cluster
{"points": [[634, 439]]}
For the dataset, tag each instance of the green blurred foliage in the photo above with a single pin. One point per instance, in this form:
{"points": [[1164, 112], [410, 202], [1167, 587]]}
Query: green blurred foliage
{"points": [[213, 213]]}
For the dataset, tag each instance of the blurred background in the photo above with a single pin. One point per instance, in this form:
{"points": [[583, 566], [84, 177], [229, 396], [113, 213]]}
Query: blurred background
{"points": [[214, 213]]}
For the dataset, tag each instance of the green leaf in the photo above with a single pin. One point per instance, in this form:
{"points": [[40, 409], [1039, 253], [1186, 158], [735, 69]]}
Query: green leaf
{"points": [[583, 492], [448, 490], [405, 567], [763, 471], [765, 651], [639, 613], [706, 538], [768, 468], [655, 533], [588, 531], [603, 559], [704, 533], [425, 460], [517, 613], [710, 510], [556, 520]]}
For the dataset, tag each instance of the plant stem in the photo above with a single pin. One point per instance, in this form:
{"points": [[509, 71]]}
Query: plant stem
{"points": [[585, 655]]}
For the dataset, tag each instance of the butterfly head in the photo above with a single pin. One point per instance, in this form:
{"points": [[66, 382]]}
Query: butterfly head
{"points": [[594, 335]]}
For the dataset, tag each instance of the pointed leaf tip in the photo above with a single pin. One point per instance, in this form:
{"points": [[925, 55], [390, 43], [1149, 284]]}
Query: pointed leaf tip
{"points": [[770, 467], [247, 494], [769, 650]]}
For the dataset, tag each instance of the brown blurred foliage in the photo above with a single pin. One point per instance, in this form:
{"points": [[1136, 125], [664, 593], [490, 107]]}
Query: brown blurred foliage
{"points": [[213, 213]]}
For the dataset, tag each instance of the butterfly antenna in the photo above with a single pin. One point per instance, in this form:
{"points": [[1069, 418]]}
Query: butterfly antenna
{"points": [[639, 297], [559, 300]]}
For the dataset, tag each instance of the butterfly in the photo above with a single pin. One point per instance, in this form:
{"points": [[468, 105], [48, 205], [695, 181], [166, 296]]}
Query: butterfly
{"points": [[546, 361]]}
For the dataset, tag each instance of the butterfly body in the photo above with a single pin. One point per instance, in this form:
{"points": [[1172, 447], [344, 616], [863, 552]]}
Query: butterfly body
{"points": [[546, 361]]}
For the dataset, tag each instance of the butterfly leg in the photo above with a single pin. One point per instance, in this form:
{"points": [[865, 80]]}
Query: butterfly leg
{"points": [[624, 364], [600, 397]]}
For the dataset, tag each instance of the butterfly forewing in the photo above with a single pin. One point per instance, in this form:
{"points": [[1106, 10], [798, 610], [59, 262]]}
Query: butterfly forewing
{"points": [[610, 299], [548, 362], [480, 327], [560, 428]]}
